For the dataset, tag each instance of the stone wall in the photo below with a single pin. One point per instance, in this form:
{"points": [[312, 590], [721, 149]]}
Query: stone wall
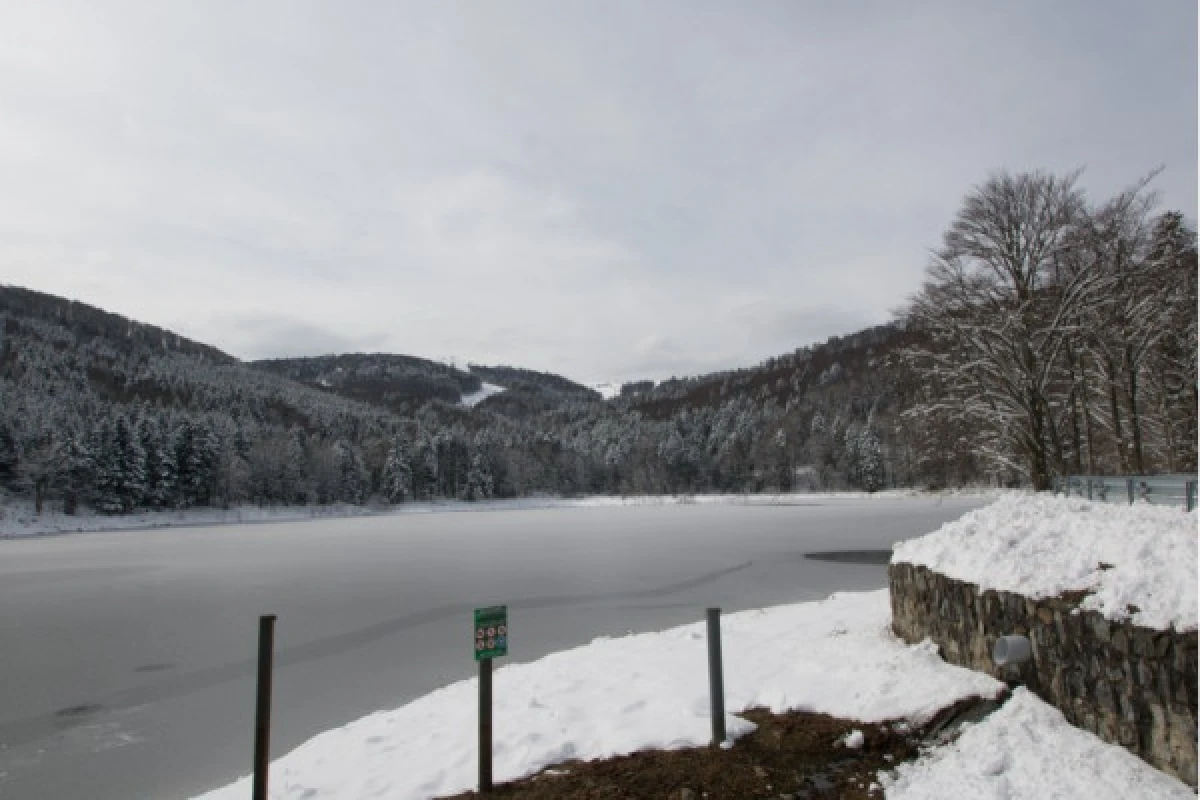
{"points": [[1130, 685]]}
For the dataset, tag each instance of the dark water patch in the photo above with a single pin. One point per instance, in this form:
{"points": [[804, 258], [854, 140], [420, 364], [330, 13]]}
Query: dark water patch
{"points": [[81, 710], [874, 557]]}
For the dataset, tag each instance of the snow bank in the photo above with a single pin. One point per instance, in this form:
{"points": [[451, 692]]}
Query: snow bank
{"points": [[1028, 751], [1128, 557], [17, 517], [616, 696]]}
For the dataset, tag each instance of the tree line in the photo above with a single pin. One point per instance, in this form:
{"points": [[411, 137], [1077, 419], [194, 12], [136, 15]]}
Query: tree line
{"points": [[1052, 335]]}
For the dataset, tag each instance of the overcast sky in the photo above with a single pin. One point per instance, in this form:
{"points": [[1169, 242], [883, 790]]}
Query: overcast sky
{"points": [[605, 190]]}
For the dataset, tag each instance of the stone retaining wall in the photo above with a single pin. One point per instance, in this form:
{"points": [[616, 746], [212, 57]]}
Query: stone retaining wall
{"points": [[1130, 685]]}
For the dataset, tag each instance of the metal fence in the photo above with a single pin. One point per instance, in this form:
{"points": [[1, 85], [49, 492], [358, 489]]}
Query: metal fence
{"points": [[1164, 490]]}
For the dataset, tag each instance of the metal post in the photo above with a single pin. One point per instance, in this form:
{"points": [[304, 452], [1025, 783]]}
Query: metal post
{"points": [[1189, 495], [716, 680], [262, 711], [1089, 488], [485, 725], [1129, 488]]}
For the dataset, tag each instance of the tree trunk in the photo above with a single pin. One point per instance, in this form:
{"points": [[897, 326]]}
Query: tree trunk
{"points": [[1039, 469], [1115, 410], [1135, 420], [1088, 428]]}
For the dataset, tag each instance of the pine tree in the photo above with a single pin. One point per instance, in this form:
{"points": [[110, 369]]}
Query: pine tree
{"points": [[196, 460], [78, 471], [297, 472], [351, 477], [397, 471], [159, 461], [479, 478], [870, 459], [120, 469]]}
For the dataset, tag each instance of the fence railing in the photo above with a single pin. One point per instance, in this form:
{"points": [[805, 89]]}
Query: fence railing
{"points": [[1165, 490]]}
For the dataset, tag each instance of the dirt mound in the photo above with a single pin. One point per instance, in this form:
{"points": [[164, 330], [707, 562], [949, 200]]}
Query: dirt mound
{"points": [[793, 755]]}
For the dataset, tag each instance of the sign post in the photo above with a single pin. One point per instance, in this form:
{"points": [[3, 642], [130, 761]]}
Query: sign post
{"points": [[262, 706], [491, 641], [716, 678]]}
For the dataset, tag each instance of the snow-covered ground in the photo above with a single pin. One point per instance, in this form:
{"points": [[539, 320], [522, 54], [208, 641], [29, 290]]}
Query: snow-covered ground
{"points": [[1027, 749], [1139, 557], [616, 696], [485, 391], [17, 517]]}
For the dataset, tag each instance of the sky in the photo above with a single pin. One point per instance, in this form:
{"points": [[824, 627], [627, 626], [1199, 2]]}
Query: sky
{"points": [[606, 190]]}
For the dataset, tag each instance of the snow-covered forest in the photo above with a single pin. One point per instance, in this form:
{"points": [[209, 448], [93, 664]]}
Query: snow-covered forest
{"points": [[98, 409], [1052, 336]]}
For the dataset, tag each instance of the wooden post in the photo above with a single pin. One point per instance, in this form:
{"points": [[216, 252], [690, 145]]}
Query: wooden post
{"points": [[716, 679], [262, 711], [485, 725]]}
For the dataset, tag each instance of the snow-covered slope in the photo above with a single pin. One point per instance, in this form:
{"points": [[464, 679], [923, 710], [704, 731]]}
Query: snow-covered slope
{"points": [[485, 391], [607, 390], [1139, 557]]}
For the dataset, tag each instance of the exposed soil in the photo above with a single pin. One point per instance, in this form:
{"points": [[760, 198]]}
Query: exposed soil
{"points": [[793, 755]]}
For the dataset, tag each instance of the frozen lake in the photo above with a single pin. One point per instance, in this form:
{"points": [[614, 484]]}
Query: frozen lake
{"points": [[126, 659]]}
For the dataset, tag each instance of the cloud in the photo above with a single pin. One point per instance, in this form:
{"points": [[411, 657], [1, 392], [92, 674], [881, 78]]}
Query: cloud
{"points": [[284, 337], [611, 192]]}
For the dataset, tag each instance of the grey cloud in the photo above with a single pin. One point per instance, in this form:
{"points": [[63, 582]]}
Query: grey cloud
{"points": [[282, 337], [547, 184]]}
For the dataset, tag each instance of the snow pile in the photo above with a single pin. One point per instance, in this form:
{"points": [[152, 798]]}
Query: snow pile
{"points": [[854, 739], [616, 696], [1028, 751], [1137, 562], [475, 398]]}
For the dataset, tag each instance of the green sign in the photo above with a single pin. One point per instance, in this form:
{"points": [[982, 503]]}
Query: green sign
{"points": [[491, 632]]}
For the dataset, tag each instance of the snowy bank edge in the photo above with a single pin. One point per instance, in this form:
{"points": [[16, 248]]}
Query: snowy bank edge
{"points": [[18, 519], [644, 691], [1136, 562]]}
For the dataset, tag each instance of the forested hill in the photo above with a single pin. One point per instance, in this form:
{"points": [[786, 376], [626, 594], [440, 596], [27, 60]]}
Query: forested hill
{"points": [[805, 375], [102, 410], [403, 384], [398, 383], [529, 393], [88, 323]]}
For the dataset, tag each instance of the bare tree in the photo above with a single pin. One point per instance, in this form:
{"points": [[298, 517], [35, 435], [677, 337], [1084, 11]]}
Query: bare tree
{"points": [[1172, 362], [998, 312], [1125, 328]]}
